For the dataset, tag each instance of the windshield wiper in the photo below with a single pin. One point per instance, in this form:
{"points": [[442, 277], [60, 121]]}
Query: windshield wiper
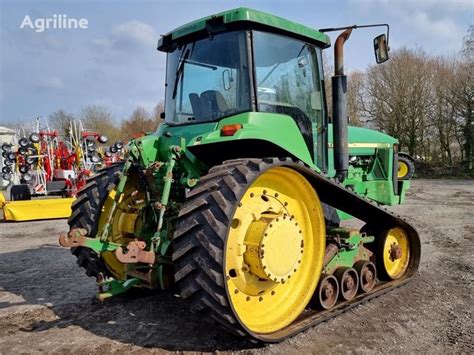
{"points": [[276, 66], [269, 73], [204, 65], [180, 71]]}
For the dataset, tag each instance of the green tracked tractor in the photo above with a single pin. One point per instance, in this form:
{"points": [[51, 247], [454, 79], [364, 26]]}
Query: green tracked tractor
{"points": [[237, 198]]}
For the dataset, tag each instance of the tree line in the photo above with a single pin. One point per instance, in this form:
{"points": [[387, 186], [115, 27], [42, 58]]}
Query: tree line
{"points": [[100, 119], [425, 101]]}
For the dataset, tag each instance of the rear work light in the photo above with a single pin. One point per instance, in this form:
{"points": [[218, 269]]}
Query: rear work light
{"points": [[230, 129]]}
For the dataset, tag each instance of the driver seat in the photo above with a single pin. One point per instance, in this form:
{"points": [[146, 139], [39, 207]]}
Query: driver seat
{"points": [[213, 104]]}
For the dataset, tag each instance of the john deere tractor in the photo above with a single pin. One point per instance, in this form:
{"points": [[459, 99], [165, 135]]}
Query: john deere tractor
{"points": [[236, 200]]}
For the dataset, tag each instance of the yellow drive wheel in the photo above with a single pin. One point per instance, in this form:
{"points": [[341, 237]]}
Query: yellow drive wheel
{"points": [[125, 222], [270, 248], [90, 211], [393, 254], [274, 250]]}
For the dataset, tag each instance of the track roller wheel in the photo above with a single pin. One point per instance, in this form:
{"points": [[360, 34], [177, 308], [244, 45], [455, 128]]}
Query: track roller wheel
{"points": [[348, 280], [392, 253], [327, 292], [367, 275]]}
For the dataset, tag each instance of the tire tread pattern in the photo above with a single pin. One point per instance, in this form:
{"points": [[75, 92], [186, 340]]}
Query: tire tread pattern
{"points": [[85, 214], [201, 230]]}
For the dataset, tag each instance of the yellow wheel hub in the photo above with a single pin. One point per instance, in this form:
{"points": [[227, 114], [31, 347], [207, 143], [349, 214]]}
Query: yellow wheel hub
{"points": [[402, 169], [396, 253], [125, 223], [274, 247], [274, 250]]}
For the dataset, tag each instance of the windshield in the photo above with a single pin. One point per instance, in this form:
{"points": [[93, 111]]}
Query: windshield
{"points": [[208, 79], [287, 75]]}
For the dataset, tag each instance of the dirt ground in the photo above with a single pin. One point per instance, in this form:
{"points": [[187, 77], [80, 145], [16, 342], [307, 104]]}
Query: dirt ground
{"points": [[47, 304]]}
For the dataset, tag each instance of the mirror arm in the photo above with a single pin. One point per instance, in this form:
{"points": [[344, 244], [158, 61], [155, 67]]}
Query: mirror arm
{"points": [[353, 27]]}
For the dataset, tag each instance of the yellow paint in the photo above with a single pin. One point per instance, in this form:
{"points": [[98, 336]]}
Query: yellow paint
{"points": [[37, 209], [124, 223], [396, 268], [2, 200], [402, 169], [271, 268]]}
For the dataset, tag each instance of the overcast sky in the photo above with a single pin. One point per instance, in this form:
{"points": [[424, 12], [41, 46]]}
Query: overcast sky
{"points": [[114, 62]]}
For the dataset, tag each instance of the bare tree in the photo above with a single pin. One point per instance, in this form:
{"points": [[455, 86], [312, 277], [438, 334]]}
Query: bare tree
{"points": [[61, 120], [141, 122], [397, 98], [137, 124], [442, 109], [355, 88], [99, 119], [463, 96], [157, 111], [328, 69], [467, 50]]}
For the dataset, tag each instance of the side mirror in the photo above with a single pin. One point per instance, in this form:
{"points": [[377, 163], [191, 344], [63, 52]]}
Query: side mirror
{"points": [[381, 48], [227, 79]]}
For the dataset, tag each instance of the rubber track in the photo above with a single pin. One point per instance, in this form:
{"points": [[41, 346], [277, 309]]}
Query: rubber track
{"points": [[202, 227], [85, 212]]}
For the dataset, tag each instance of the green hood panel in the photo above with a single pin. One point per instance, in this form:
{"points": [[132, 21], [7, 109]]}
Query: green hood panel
{"points": [[365, 135]]}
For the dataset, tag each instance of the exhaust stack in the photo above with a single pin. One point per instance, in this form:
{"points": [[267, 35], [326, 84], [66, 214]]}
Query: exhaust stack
{"points": [[339, 100]]}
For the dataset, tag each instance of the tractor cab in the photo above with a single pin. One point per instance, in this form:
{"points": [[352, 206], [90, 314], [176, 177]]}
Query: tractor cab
{"points": [[239, 62], [258, 79]]}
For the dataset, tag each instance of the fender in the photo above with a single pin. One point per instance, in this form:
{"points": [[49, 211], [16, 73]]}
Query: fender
{"points": [[406, 155], [262, 134]]}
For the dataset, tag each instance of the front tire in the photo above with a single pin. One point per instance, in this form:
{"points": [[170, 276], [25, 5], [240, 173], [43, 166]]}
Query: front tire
{"points": [[406, 167]]}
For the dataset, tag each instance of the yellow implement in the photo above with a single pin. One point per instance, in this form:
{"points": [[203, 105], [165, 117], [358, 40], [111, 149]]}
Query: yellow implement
{"points": [[30, 210], [2, 200]]}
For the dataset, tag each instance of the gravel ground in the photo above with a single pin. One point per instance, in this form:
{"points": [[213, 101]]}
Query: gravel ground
{"points": [[47, 304]]}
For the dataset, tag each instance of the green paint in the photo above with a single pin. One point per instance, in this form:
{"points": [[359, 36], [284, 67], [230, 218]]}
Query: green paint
{"points": [[280, 130], [352, 249], [253, 18], [112, 287], [367, 142], [174, 153], [99, 247], [170, 161]]}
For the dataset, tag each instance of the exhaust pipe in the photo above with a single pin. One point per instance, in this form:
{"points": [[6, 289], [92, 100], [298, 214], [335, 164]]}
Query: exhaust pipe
{"points": [[339, 105]]}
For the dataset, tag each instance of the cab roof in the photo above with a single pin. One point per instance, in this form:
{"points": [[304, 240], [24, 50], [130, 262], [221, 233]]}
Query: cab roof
{"points": [[248, 18]]}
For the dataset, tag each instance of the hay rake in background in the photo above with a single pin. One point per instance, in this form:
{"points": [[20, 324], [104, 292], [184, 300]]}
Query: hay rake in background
{"points": [[47, 163]]}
